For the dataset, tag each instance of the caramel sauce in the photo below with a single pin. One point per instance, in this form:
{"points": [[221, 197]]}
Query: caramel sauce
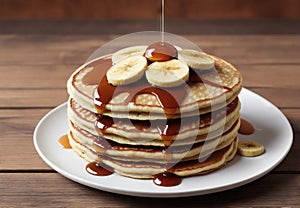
{"points": [[168, 98], [64, 142], [166, 127], [101, 144], [141, 125], [103, 94], [169, 131], [167, 179], [246, 128], [103, 122], [161, 51], [98, 169], [99, 70], [101, 148]]}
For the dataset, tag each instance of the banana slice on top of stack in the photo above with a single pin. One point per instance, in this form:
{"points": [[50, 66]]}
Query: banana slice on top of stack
{"points": [[130, 64], [128, 52], [196, 59], [127, 71], [167, 74]]}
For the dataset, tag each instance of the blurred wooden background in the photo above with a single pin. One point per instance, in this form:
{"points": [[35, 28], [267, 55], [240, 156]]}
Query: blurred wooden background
{"points": [[148, 9]]}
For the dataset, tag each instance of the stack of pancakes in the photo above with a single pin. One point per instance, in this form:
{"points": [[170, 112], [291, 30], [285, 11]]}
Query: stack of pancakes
{"points": [[140, 139]]}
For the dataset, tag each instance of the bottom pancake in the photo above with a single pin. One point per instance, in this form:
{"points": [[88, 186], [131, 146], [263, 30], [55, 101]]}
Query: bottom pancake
{"points": [[148, 169]]}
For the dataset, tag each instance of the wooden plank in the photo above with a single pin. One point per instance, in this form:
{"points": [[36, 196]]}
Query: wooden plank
{"points": [[79, 9], [248, 49], [291, 162], [277, 76], [56, 41], [17, 126], [95, 9], [35, 76], [53, 190], [280, 97], [37, 50], [31, 98], [232, 9], [251, 49], [16, 146], [126, 26], [56, 76], [293, 116]]}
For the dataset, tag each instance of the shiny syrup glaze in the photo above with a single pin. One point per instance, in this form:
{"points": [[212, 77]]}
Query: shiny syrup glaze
{"points": [[98, 71], [98, 169], [169, 98], [246, 128], [64, 142], [103, 122], [142, 125], [101, 145], [168, 129], [161, 51]]}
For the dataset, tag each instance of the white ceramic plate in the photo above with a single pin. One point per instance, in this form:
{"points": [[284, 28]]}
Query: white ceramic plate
{"points": [[272, 129]]}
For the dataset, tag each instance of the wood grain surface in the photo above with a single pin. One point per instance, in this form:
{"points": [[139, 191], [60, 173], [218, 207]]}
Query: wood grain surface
{"points": [[36, 63], [148, 9]]}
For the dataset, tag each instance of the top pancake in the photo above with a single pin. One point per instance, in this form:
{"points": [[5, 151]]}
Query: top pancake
{"points": [[217, 88]]}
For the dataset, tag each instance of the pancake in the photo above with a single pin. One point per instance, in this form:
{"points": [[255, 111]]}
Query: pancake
{"points": [[188, 127], [147, 169], [152, 153], [216, 89]]}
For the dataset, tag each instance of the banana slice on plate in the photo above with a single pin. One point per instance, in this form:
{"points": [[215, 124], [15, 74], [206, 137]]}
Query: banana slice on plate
{"points": [[127, 52], [196, 59], [127, 71], [250, 148], [168, 73]]}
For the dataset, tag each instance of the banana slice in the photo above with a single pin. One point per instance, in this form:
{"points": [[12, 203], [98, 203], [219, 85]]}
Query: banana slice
{"points": [[250, 148], [196, 60], [127, 52], [127, 71], [168, 73]]}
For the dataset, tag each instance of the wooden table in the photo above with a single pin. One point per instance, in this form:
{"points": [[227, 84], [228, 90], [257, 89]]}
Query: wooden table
{"points": [[37, 57]]}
